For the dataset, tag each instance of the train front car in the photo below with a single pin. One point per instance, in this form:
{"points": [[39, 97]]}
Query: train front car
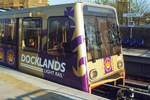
{"points": [[77, 45], [104, 51]]}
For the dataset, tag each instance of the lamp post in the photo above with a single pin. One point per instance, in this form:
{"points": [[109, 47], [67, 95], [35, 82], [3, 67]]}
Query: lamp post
{"points": [[130, 22]]}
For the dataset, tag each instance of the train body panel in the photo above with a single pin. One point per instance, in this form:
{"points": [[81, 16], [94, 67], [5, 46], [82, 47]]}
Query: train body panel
{"points": [[106, 67], [56, 61], [56, 43], [9, 56]]}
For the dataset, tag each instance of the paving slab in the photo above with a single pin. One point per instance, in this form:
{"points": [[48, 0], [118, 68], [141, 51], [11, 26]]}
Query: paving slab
{"points": [[15, 85]]}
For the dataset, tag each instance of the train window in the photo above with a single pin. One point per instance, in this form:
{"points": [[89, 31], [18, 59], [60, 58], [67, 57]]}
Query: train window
{"points": [[103, 28], [8, 31], [59, 35], [93, 41], [31, 29], [109, 36], [114, 36], [102, 37]]}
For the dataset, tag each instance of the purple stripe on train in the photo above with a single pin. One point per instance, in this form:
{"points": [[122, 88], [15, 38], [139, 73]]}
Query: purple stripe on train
{"points": [[69, 11], [82, 61], [85, 86], [76, 42]]}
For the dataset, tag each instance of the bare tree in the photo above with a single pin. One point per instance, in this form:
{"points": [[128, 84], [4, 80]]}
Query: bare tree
{"points": [[104, 1], [139, 6]]}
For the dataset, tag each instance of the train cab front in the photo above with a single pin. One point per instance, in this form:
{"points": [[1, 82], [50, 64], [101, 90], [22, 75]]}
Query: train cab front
{"points": [[103, 46], [106, 70]]}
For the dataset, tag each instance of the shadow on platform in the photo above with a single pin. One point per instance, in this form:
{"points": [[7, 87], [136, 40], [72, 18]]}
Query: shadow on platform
{"points": [[46, 95]]}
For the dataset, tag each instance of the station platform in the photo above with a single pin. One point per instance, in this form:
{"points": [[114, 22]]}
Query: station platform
{"points": [[15, 85], [137, 63], [137, 52]]}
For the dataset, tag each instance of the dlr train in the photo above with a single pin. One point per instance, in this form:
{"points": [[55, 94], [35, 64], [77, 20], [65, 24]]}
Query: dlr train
{"points": [[77, 45]]}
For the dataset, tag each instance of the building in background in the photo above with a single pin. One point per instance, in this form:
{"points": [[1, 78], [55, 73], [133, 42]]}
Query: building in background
{"points": [[22, 3]]}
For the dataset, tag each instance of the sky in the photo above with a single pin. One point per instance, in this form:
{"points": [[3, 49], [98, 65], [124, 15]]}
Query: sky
{"points": [[54, 2]]}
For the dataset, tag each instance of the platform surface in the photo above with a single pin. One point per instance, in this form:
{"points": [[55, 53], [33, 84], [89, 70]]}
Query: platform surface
{"points": [[15, 85], [137, 52]]}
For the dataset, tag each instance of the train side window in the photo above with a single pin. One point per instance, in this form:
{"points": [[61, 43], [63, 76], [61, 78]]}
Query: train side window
{"points": [[60, 31], [8, 31], [31, 30]]}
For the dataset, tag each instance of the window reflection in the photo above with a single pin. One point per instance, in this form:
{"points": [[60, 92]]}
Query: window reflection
{"points": [[60, 34], [32, 29], [8, 31], [92, 38], [102, 37]]}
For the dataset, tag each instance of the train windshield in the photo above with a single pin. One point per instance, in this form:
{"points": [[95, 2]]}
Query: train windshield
{"points": [[102, 35]]}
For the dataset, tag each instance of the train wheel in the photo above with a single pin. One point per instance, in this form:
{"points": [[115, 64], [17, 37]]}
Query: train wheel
{"points": [[121, 94], [149, 88]]}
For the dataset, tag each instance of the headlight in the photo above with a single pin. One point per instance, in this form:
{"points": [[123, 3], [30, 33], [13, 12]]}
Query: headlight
{"points": [[93, 74], [119, 64]]}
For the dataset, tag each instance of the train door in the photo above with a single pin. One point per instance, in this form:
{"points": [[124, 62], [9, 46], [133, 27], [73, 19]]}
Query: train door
{"points": [[30, 45], [9, 42]]}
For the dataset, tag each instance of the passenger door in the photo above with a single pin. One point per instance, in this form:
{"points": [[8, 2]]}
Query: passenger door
{"points": [[9, 42], [30, 45]]}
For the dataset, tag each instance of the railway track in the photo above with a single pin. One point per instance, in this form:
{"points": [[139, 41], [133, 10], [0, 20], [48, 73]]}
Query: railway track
{"points": [[132, 90], [145, 85]]}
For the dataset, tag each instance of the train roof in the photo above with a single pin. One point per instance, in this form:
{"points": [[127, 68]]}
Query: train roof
{"points": [[13, 12], [34, 9]]}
